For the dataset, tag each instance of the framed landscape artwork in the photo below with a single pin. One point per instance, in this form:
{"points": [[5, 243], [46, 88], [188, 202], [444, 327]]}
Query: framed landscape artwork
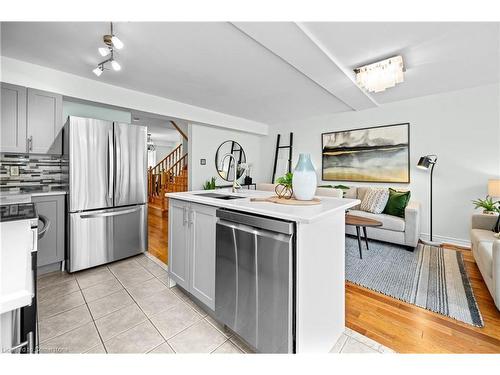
{"points": [[377, 154]]}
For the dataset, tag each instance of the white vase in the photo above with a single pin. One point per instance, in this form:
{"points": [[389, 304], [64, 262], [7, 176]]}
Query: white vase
{"points": [[304, 179]]}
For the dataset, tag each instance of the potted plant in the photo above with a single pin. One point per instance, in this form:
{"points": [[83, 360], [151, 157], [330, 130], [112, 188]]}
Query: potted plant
{"points": [[284, 188], [487, 204], [209, 184]]}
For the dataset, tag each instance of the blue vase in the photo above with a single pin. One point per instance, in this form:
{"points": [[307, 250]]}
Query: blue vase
{"points": [[304, 179]]}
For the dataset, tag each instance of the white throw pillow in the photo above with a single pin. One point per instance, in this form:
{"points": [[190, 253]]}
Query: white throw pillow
{"points": [[375, 200]]}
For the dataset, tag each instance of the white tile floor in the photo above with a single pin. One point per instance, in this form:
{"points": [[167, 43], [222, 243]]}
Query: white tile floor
{"points": [[127, 307]]}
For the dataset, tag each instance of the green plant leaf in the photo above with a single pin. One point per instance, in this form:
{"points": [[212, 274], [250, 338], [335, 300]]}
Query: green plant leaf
{"points": [[285, 180], [487, 204]]}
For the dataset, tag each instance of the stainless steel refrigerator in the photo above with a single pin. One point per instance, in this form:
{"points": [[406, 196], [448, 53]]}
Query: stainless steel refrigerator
{"points": [[107, 201]]}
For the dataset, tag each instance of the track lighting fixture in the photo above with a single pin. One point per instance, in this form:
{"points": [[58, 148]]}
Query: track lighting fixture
{"points": [[112, 42]]}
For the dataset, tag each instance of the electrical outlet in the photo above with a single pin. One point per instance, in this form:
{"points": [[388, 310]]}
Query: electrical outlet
{"points": [[14, 171]]}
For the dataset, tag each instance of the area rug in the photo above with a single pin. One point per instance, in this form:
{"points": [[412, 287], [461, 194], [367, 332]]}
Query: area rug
{"points": [[430, 277]]}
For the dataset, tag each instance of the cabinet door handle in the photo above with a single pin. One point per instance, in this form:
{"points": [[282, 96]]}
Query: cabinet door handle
{"points": [[191, 217], [30, 143], [184, 215]]}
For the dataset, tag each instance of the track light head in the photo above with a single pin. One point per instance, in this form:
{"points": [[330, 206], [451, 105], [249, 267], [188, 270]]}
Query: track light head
{"points": [[117, 43], [104, 51], [115, 65], [98, 71]]}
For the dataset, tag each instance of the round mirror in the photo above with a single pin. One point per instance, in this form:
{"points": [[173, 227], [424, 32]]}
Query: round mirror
{"points": [[230, 155]]}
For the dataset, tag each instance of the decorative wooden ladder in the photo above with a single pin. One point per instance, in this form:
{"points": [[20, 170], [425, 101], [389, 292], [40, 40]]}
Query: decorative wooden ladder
{"points": [[169, 175]]}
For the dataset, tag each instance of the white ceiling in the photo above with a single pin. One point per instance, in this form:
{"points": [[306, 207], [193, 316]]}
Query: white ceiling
{"points": [[268, 72]]}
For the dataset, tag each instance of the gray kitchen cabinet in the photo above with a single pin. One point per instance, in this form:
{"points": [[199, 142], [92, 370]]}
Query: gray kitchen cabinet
{"points": [[51, 246], [191, 250], [44, 122], [178, 242], [13, 118], [202, 221]]}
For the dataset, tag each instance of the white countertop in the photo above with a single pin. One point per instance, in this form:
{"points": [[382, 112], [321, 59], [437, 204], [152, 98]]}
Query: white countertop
{"points": [[303, 214], [52, 192], [12, 197]]}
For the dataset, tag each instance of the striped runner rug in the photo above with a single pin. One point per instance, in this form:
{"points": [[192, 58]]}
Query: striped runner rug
{"points": [[430, 277]]}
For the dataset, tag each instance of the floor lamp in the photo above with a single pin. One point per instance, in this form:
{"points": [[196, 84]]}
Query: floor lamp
{"points": [[428, 162]]}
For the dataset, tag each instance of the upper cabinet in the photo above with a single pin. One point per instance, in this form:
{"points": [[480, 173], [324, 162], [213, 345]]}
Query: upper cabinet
{"points": [[44, 122], [31, 120], [13, 119]]}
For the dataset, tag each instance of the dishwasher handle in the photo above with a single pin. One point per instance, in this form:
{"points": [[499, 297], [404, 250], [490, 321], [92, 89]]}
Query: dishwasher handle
{"points": [[255, 231], [255, 221]]}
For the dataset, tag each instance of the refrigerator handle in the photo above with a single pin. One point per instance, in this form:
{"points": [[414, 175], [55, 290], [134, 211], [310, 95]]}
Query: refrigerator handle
{"points": [[111, 164], [110, 213]]}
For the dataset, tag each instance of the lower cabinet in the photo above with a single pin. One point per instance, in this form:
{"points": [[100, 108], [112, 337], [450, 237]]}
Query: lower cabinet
{"points": [[51, 246], [192, 248]]}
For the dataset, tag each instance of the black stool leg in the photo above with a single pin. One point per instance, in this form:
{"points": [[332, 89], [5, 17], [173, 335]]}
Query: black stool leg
{"points": [[366, 238], [359, 243]]}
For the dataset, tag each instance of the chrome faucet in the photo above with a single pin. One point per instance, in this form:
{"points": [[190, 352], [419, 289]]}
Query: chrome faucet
{"points": [[236, 185]]}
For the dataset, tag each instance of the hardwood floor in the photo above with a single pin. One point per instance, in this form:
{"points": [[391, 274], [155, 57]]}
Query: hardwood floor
{"points": [[406, 328], [157, 235], [400, 326]]}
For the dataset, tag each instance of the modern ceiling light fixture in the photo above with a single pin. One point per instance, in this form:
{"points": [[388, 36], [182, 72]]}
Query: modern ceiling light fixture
{"points": [[112, 42], [381, 75]]}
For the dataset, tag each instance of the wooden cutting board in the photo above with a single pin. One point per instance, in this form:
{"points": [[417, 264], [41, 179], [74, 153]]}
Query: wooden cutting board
{"points": [[290, 202]]}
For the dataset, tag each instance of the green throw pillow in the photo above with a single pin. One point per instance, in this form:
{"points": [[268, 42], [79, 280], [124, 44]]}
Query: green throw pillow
{"points": [[398, 200]]}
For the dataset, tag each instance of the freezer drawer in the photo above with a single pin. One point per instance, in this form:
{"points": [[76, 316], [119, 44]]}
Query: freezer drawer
{"points": [[103, 236]]}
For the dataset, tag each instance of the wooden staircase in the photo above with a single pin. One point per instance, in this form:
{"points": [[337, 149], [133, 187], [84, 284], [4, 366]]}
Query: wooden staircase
{"points": [[169, 175]]}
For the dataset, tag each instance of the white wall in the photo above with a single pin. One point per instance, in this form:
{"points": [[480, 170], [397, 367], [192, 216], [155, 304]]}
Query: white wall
{"points": [[163, 150], [461, 127], [30, 75], [203, 144], [93, 111]]}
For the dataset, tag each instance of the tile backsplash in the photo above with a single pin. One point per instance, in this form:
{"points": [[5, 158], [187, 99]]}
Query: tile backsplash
{"points": [[36, 173]]}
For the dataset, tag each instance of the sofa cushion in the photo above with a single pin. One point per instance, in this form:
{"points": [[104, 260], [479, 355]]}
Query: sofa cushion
{"points": [[397, 202], [478, 236], [362, 190], [485, 254], [352, 193], [375, 200], [388, 222]]}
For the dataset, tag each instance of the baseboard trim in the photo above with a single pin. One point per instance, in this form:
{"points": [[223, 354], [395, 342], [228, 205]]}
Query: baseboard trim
{"points": [[444, 239], [156, 260]]}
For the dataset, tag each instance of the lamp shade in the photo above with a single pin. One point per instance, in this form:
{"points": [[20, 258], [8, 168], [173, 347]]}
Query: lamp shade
{"points": [[427, 161], [424, 162], [494, 188]]}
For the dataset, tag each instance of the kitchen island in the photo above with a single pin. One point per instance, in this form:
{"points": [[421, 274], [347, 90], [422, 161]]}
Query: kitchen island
{"points": [[310, 239]]}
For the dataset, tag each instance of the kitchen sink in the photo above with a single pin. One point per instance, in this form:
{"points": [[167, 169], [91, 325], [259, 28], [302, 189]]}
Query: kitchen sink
{"points": [[220, 196]]}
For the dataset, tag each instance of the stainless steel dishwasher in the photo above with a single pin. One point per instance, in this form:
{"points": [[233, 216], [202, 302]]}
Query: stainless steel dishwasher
{"points": [[254, 282]]}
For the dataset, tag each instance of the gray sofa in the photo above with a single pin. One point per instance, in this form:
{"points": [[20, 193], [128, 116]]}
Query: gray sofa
{"points": [[403, 231], [486, 251]]}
